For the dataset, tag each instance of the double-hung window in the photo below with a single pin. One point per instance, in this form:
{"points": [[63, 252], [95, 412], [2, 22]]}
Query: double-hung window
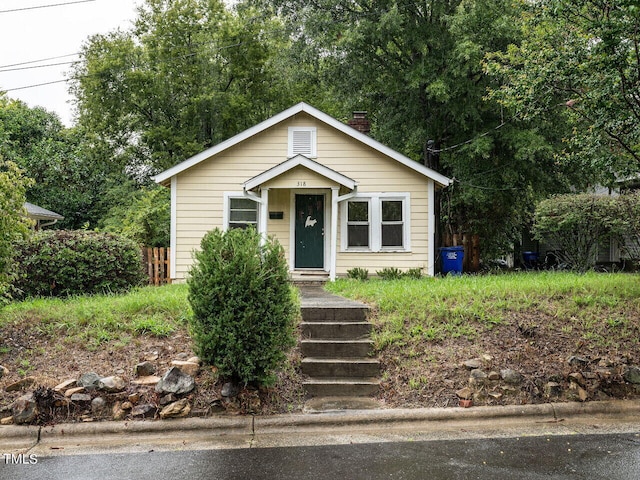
{"points": [[392, 223], [241, 212], [358, 226], [376, 222]]}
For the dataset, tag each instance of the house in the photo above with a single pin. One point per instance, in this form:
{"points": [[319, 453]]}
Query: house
{"points": [[333, 197], [41, 216]]}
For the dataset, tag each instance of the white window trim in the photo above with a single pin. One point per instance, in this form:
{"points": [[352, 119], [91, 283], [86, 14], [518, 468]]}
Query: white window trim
{"points": [[345, 216], [226, 204], [314, 143], [375, 221]]}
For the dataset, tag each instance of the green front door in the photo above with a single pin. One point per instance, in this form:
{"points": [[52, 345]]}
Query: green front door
{"points": [[309, 231]]}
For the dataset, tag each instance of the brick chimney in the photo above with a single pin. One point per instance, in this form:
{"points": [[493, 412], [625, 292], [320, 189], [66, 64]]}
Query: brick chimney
{"points": [[360, 122]]}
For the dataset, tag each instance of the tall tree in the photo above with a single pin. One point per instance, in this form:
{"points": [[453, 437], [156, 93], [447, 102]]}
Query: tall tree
{"points": [[417, 68], [69, 174], [190, 74], [579, 60]]}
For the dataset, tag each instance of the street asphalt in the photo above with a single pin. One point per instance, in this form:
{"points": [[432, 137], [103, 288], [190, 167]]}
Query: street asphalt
{"points": [[333, 427]]}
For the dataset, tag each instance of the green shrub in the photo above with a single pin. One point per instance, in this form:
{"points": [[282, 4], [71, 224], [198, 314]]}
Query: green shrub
{"points": [[243, 305], [578, 223], [62, 262], [358, 273], [389, 273], [415, 273]]}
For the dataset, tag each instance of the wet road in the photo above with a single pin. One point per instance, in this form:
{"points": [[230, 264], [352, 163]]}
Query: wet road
{"points": [[613, 456]]}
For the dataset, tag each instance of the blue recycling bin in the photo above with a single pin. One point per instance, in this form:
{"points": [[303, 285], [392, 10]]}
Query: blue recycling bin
{"points": [[452, 260], [530, 259]]}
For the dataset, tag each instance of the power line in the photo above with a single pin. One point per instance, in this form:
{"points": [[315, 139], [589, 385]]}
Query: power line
{"points": [[40, 60], [33, 86], [45, 6], [37, 66]]}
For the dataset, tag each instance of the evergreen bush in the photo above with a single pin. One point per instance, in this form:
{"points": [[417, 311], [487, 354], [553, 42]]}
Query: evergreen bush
{"points": [[69, 262], [244, 308]]}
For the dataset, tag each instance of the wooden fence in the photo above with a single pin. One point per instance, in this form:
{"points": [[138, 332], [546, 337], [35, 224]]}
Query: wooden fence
{"points": [[471, 244], [157, 262]]}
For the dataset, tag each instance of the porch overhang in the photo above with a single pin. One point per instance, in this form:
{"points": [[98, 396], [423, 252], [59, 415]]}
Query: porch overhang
{"points": [[299, 161]]}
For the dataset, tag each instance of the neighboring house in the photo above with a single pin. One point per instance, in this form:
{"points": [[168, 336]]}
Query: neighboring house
{"points": [[333, 197], [41, 216]]}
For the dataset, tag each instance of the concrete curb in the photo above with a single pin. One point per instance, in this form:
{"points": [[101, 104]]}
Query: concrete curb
{"points": [[330, 422]]}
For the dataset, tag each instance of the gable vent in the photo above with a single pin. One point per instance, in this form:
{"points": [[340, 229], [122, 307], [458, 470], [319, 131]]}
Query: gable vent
{"points": [[302, 141]]}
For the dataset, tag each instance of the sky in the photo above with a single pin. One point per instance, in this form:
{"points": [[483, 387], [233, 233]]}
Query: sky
{"points": [[42, 33]]}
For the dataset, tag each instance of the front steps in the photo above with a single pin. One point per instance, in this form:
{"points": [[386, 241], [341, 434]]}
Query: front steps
{"points": [[336, 347]]}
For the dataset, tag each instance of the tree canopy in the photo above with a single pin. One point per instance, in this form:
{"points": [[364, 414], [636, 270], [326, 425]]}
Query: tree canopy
{"points": [[580, 62], [14, 223]]}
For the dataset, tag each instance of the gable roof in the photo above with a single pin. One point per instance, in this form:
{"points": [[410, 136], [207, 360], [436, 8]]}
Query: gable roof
{"points": [[321, 116], [39, 213], [293, 162]]}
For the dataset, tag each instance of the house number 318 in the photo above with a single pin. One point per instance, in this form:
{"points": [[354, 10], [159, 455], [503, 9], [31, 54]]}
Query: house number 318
{"points": [[302, 183]]}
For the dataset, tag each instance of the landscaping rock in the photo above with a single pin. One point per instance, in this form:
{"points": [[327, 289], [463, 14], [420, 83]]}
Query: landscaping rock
{"points": [[143, 410], [81, 398], [181, 408], [149, 381], [493, 376], [145, 369], [3, 371], [167, 399], [62, 387], [20, 384], [74, 390], [182, 356], [190, 368], [632, 375], [577, 378], [6, 421], [465, 393], [112, 384], [477, 377], [511, 376], [98, 406], [117, 412], [230, 389], [25, 410], [194, 360], [89, 380], [175, 381], [473, 364]]}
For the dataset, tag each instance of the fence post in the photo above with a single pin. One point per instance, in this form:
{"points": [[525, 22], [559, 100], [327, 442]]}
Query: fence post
{"points": [[158, 264]]}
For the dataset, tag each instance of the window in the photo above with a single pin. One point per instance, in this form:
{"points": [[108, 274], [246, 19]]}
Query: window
{"points": [[376, 222], [392, 225], [302, 141], [358, 223], [242, 212]]}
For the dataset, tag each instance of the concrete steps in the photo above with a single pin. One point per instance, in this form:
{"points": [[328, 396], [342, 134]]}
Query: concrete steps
{"points": [[336, 347]]}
